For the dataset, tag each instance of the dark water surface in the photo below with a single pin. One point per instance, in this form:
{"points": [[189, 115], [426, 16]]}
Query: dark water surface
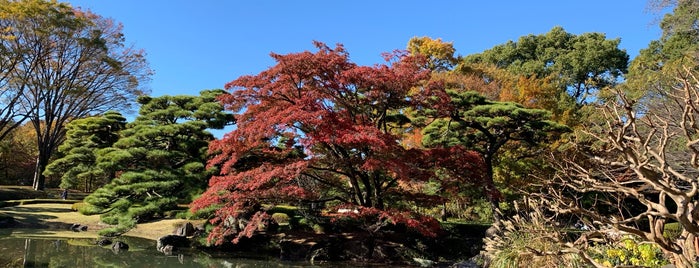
{"points": [[83, 252]]}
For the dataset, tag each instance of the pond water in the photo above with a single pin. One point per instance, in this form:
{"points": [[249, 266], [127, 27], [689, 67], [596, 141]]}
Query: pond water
{"points": [[83, 252]]}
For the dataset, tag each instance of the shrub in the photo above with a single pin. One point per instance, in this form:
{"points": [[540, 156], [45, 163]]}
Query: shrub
{"points": [[78, 206], [318, 229], [87, 209], [184, 214], [281, 218], [628, 252], [205, 213], [288, 210], [529, 241]]}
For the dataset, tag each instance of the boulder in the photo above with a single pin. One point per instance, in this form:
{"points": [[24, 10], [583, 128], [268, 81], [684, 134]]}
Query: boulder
{"points": [[167, 250], [119, 246], [185, 230], [6, 221], [77, 227], [174, 241], [104, 242]]}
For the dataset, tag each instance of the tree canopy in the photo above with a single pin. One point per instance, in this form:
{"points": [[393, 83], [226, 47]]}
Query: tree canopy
{"points": [[316, 128], [159, 160], [581, 64], [63, 63], [84, 138], [486, 127]]}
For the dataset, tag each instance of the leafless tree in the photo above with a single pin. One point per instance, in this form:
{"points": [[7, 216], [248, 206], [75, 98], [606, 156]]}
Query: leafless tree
{"points": [[636, 171], [73, 63]]}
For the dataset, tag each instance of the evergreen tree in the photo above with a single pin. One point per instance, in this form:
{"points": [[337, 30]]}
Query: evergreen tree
{"points": [[581, 64], [84, 138], [487, 127], [160, 159]]}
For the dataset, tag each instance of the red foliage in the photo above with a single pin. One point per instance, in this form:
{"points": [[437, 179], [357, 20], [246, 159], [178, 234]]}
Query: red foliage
{"points": [[317, 127], [374, 219]]}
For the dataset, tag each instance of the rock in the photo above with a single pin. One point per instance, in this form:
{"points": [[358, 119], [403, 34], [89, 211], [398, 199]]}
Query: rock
{"points": [[466, 264], [174, 241], [167, 250], [290, 250], [77, 227], [119, 246], [424, 262], [186, 230], [6, 221], [492, 231], [103, 242]]}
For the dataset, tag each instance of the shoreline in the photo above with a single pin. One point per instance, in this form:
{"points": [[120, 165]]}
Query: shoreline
{"points": [[57, 218]]}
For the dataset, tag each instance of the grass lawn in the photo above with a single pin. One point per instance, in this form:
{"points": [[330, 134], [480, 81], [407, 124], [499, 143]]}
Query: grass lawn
{"points": [[13, 192], [55, 220]]}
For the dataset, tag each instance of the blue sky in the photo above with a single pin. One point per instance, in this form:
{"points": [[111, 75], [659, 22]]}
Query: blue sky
{"points": [[195, 45]]}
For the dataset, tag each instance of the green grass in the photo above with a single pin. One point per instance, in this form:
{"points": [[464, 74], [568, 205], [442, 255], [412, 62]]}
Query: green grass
{"points": [[10, 203], [13, 192], [20, 192]]}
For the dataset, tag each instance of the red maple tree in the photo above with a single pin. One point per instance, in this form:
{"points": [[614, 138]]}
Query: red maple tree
{"points": [[316, 127]]}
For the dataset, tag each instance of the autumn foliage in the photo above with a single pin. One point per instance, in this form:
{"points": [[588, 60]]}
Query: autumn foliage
{"points": [[317, 127]]}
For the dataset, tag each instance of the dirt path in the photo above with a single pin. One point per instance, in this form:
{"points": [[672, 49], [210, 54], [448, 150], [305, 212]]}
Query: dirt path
{"points": [[56, 220]]}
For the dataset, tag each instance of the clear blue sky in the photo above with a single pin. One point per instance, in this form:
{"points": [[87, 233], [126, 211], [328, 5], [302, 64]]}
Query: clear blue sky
{"points": [[195, 45]]}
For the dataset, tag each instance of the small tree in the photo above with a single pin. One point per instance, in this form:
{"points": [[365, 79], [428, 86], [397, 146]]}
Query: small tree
{"points": [[83, 139], [159, 160]]}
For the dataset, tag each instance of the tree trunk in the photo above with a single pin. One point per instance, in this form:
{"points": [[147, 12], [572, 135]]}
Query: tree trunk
{"points": [[39, 178], [491, 192], [444, 211], [495, 207], [689, 243]]}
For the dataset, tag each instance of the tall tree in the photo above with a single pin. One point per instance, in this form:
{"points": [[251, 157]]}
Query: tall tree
{"points": [[486, 126], [159, 160], [74, 63], [635, 169], [84, 138], [11, 116], [316, 127], [581, 64], [656, 67], [440, 54]]}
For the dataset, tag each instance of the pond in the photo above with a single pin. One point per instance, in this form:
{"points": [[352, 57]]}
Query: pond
{"points": [[83, 252]]}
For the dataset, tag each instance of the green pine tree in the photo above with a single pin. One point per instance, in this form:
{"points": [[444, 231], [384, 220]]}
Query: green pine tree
{"points": [[160, 159], [84, 138], [487, 127]]}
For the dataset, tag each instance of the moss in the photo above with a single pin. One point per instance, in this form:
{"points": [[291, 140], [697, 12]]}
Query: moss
{"points": [[281, 218]]}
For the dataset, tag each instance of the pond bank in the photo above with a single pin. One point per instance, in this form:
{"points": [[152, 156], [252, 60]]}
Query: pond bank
{"points": [[57, 219], [50, 220]]}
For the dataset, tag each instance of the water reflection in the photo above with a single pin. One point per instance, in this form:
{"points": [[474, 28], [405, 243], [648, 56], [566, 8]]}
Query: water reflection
{"points": [[40, 252]]}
